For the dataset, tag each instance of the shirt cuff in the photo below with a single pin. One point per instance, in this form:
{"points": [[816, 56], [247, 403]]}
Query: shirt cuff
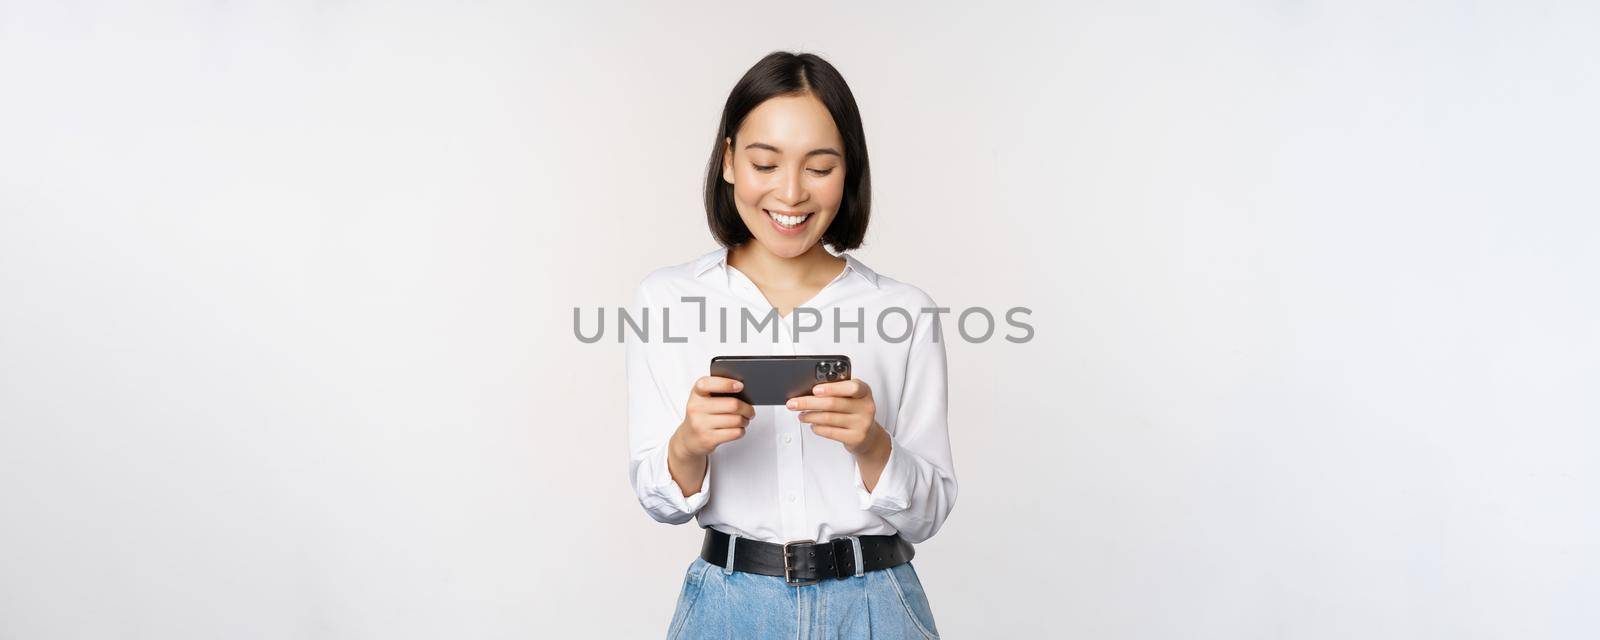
{"points": [[666, 490], [891, 496]]}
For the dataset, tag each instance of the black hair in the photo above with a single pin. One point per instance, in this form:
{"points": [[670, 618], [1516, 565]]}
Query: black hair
{"points": [[782, 73]]}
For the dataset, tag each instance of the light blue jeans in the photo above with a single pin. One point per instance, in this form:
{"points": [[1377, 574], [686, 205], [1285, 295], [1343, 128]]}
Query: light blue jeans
{"points": [[723, 604]]}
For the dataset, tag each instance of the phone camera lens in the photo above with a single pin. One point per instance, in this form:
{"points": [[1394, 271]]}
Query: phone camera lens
{"points": [[829, 369]]}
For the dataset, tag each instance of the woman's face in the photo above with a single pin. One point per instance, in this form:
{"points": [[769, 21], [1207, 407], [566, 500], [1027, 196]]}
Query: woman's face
{"points": [[786, 165]]}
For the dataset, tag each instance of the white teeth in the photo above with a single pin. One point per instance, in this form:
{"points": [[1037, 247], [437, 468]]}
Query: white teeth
{"points": [[788, 221]]}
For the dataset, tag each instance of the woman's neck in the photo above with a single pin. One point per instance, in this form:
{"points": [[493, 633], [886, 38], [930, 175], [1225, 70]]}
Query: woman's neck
{"points": [[764, 267]]}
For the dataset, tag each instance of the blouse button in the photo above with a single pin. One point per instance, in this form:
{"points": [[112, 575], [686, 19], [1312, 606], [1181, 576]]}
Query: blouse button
{"points": [[788, 439]]}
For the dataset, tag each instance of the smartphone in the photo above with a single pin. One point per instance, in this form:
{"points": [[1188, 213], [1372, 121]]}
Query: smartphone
{"points": [[775, 379]]}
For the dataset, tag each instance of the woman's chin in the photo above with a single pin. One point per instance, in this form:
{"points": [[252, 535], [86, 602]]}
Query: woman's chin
{"points": [[786, 247]]}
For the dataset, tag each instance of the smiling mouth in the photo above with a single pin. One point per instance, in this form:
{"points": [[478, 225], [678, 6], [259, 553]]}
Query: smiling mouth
{"points": [[788, 221]]}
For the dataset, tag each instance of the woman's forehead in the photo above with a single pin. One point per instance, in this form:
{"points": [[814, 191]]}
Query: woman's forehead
{"points": [[790, 123]]}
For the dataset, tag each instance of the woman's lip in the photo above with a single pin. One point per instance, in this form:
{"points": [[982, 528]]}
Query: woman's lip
{"points": [[788, 231]]}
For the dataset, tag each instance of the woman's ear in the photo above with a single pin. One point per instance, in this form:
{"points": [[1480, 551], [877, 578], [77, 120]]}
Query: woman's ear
{"points": [[727, 160]]}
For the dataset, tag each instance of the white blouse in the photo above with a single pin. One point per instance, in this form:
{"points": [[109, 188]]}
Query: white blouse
{"points": [[780, 482]]}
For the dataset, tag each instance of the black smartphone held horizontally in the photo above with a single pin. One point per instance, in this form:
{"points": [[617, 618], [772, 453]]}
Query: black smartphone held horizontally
{"points": [[775, 379]]}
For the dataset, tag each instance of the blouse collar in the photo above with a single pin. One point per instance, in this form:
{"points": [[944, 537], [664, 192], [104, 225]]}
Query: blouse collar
{"points": [[718, 259]]}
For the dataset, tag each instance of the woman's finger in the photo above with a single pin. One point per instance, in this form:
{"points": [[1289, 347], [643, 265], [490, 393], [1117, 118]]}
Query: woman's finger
{"points": [[829, 418], [725, 421], [708, 385], [837, 434], [843, 388], [724, 405], [813, 403], [721, 436]]}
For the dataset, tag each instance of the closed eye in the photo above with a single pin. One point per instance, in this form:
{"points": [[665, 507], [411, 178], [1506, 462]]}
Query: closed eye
{"points": [[768, 168]]}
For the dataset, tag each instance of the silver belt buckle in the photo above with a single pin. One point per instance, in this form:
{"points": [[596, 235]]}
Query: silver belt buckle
{"points": [[788, 569]]}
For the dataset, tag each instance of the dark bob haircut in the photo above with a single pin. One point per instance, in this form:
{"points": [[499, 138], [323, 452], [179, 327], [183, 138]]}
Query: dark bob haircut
{"points": [[782, 73]]}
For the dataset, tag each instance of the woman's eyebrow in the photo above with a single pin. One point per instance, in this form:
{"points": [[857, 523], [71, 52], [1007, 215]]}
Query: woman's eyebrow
{"points": [[814, 152]]}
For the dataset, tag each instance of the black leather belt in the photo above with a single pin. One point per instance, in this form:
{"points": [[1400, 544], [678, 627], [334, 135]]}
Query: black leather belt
{"points": [[806, 562]]}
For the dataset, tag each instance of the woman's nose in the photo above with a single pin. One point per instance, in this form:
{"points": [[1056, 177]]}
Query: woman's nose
{"points": [[793, 189]]}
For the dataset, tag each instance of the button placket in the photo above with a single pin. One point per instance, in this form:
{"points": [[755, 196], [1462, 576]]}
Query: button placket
{"points": [[791, 456]]}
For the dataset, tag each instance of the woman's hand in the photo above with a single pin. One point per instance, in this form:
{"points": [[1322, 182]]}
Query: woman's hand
{"points": [[708, 422], [843, 411]]}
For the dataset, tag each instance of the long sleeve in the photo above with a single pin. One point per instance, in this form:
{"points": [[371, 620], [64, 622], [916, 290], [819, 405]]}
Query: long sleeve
{"points": [[917, 488], [652, 418]]}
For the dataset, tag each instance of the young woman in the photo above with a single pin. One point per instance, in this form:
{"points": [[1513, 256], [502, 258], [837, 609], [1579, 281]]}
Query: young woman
{"points": [[810, 509]]}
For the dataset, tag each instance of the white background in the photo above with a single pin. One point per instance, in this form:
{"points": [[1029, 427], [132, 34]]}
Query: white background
{"points": [[286, 295]]}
